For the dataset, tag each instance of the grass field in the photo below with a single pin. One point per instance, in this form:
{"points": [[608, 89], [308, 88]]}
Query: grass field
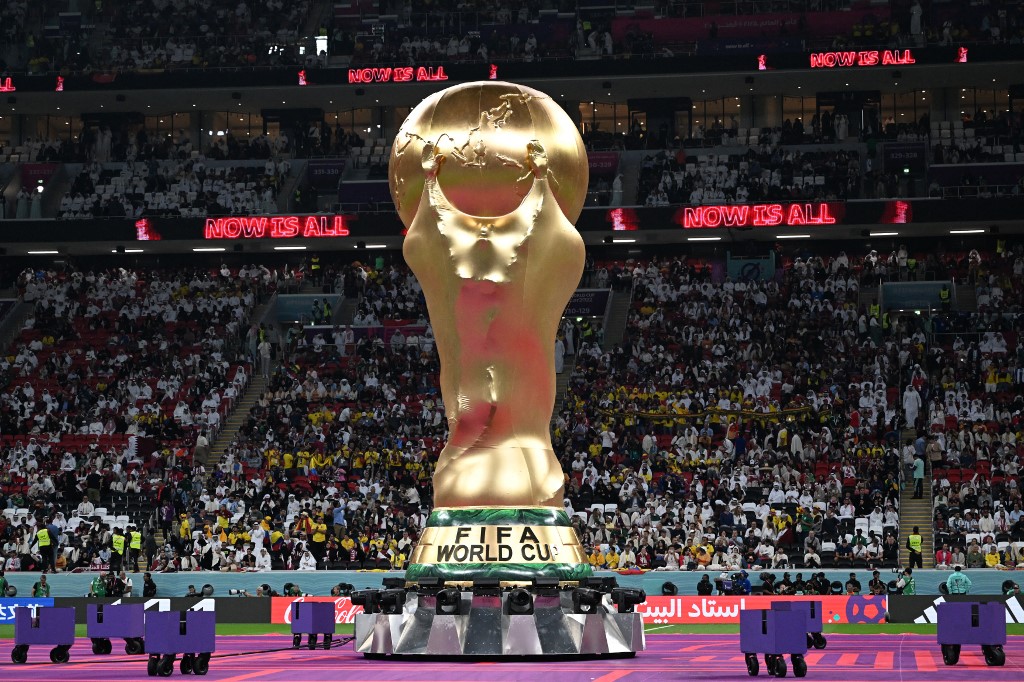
{"points": [[7, 631]]}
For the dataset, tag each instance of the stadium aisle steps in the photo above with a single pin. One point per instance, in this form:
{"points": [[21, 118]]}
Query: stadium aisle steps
{"points": [[257, 385], [917, 513], [966, 298], [615, 321]]}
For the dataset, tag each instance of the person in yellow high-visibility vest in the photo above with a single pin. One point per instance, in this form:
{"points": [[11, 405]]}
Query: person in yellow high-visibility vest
{"points": [[314, 266], [117, 555], [945, 298], [134, 548], [45, 543]]}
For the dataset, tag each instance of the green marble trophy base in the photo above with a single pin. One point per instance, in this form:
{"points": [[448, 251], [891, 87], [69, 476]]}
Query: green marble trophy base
{"points": [[514, 545]]}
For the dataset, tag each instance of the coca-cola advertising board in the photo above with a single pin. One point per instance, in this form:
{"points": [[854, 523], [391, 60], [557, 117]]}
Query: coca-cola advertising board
{"points": [[344, 610], [726, 609]]}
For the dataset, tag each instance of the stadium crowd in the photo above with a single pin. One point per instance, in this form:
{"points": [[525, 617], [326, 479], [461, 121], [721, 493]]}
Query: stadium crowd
{"points": [[739, 425]]}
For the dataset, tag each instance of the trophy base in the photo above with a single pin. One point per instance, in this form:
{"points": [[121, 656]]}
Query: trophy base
{"points": [[499, 626], [518, 544]]}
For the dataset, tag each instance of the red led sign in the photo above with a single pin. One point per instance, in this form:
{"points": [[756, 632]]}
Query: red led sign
{"points": [[832, 60], [144, 231], [756, 215], [397, 74], [7, 85], [276, 227], [623, 219]]}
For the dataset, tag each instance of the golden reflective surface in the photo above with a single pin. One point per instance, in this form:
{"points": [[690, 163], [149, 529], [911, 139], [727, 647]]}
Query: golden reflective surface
{"points": [[498, 544], [486, 177]]}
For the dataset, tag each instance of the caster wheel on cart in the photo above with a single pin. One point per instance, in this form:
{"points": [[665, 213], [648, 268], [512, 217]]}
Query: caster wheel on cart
{"points": [[312, 641], [819, 640], [166, 668], [950, 654], [994, 655], [328, 640], [134, 646], [60, 654], [778, 667], [186, 664], [799, 666], [752, 665], [152, 666], [296, 641], [19, 654], [202, 664]]}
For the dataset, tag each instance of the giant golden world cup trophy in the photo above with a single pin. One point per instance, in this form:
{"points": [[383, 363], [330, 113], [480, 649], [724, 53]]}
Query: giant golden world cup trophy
{"points": [[489, 178]]}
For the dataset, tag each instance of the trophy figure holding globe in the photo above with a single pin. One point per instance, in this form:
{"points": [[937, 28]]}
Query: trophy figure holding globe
{"points": [[489, 178]]}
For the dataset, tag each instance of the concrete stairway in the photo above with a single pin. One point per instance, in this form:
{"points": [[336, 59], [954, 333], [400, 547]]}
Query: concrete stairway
{"points": [[346, 310], [615, 322], [240, 413], [866, 296], [11, 325], [917, 513], [966, 299]]}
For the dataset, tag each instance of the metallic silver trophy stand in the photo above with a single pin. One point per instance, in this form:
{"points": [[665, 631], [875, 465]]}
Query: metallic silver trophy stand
{"points": [[487, 621]]}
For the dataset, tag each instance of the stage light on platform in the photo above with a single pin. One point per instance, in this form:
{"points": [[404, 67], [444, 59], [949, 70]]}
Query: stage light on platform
{"points": [[368, 599], [392, 601], [626, 598], [601, 584], [449, 602], [489, 587], [545, 587], [428, 585], [520, 602], [393, 583], [585, 600]]}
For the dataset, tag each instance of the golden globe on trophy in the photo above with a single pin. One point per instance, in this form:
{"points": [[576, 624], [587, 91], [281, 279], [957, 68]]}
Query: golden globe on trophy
{"points": [[489, 178]]}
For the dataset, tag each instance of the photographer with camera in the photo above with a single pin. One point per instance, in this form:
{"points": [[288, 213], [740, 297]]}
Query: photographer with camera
{"points": [[906, 584]]}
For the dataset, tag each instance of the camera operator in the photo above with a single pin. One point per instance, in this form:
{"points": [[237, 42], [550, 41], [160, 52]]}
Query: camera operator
{"points": [[906, 584], [741, 583], [768, 583], [704, 587]]}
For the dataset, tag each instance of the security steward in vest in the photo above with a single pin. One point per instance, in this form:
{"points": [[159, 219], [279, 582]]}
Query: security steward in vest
{"points": [[117, 545], [134, 548], [45, 542], [314, 267], [945, 297]]}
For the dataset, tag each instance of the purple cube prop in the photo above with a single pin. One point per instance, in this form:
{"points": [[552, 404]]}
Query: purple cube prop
{"points": [[51, 626], [963, 622], [121, 621], [181, 632], [811, 608], [313, 618], [778, 630]]}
